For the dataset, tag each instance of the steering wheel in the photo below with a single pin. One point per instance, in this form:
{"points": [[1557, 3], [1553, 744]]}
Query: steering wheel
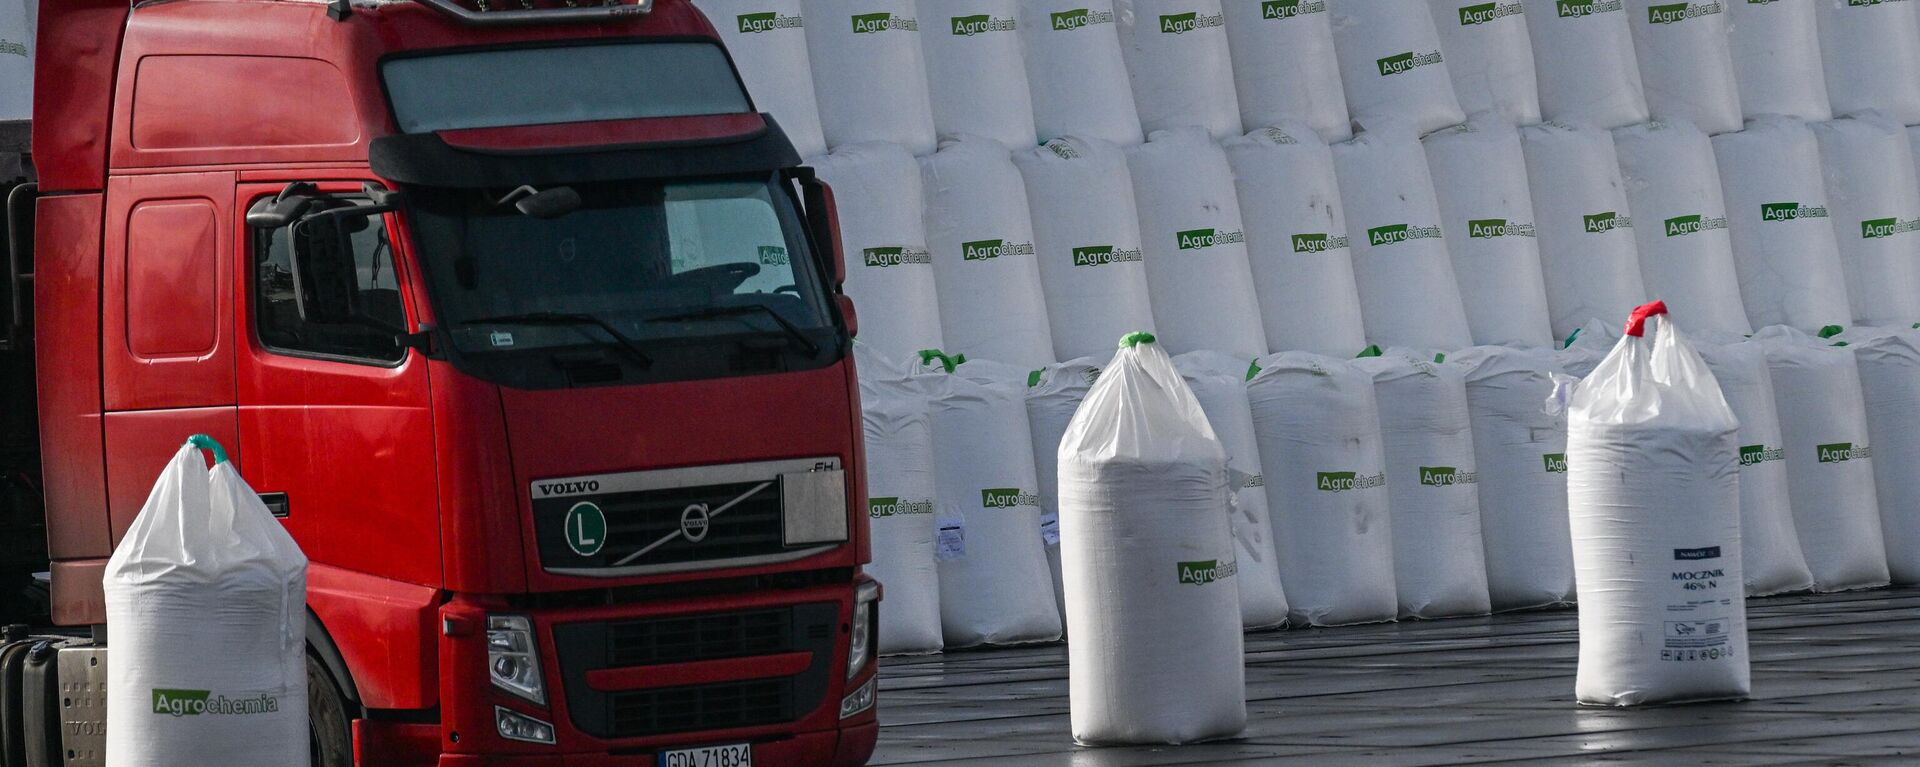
{"points": [[722, 278]]}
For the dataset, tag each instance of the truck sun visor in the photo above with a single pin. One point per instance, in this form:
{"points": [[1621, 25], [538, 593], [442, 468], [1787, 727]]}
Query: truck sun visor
{"points": [[427, 159]]}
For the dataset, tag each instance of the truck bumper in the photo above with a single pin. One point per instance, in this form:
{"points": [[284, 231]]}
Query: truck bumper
{"points": [[850, 747]]}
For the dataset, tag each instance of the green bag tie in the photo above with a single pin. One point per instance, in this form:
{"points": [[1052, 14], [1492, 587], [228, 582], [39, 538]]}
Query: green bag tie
{"points": [[1131, 340], [1372, 350], [208, 444], [1831, 331]]}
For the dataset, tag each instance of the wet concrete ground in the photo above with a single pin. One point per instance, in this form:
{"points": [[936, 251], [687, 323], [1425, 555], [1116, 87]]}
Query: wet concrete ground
{"points": [[1836, 681]]}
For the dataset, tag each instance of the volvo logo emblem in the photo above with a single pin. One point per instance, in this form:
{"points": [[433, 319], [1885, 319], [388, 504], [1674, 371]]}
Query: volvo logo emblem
{"points": [[693, 522]]}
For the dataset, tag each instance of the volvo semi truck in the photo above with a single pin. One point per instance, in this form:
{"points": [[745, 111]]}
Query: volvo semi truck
{"points": [[520, 316]]}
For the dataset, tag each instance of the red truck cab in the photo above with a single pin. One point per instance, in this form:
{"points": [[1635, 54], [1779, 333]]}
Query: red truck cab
{"points": [[525, 321]]}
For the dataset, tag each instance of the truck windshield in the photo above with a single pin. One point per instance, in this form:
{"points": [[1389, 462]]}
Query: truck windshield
{"points": [[639, 266]]}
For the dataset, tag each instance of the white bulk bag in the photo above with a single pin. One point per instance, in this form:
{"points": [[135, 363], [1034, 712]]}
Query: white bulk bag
{"points": [[868, 73], [1874, 202], [876, 187], [1433, 486], [768, 42], [981, 238], [1520, 450], [1054, 393], [1321, 457], [1176, 55], [1391, 66], [1587, 250], [994, 584], [1868, 49], [1685, 64], [1486, 211], [1490, 57], [1770, 554], [1075, 72], [1776, 60], [1284, 67], [1889, 361], [1783, 244], [1680, 215], [900, 502], [1297, 240], [1823, 419], [1653, 488], [1407, 291], [1196, 248], [1584, 54], [976, 75], [16, 69], [1219, 383], [1149, 561], [1087, 237], [207, 597]]}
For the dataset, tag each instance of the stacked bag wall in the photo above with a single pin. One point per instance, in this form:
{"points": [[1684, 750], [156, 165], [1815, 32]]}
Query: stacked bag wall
{"points": [[1874, 200], [1219, 384], [889, 272], [1770, 554], [1391, 66], [1149, 562], [1297, 240], [1587, 248], [768, 42], [1823, 420], [980, 235], [1520, 450], [1284, 67], [1054, 393], [1486, 211], [1889, 361], [1654, 501], [1176, 55], [1433, 487], [1869, 50], [1087, 238], [1685, 63], [1783, 244], [1198, 278], [976, 73], [1318, 429], [869, 76], [900, 503], [1776, 59], [1586, 66], [1075, 72], [1680, 217], [1490, 57], [995, 588], [1408, 295]]}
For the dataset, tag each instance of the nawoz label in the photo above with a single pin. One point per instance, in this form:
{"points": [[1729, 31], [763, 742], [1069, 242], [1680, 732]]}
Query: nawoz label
{"points": [[755, 23], [1206, 571]]}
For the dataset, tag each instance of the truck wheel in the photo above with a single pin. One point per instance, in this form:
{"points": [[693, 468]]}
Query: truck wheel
{"points": [[331, 734]]}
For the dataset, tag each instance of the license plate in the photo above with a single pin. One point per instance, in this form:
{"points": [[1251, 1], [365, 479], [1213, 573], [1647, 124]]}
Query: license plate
{"points": [[732, 755]]}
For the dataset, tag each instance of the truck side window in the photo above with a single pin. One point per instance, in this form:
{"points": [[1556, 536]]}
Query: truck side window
{"points": [[277, 313]]}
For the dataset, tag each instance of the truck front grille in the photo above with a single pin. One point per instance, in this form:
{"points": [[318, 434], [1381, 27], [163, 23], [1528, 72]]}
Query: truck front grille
{"points": [[585, 647]]}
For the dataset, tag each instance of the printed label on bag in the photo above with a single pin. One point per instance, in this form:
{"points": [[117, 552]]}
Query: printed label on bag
{"points": [[1707, 552], [1680, 226], [1556, 462], [1397, 233], [1573, 9], [1708, 639], [893, 507], [1606, 221], [1887, 227], [968, 26], [1078, 18], [1865, 3], [1489, 228], [950, 539], [1406, 62], [1841, 452], [755, 23], [1674, 13], [172, 702], [1790, 211], [1757, 454], [1181, 23], [1444, 476], [1207, 571], [1050, 528], [982, 250], [894, 255], [1317, 242], [870, 23], [1341, 481], [1007, 498], [1198, 239], [1101, 255], [1287, 9], [1487, 13]]}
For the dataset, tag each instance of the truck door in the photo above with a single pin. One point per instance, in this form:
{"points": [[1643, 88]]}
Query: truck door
{"points": [[336, 418]]}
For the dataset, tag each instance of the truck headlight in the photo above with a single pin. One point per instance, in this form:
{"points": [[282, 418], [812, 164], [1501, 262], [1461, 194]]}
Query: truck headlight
{"points": [[512, 658], [860, 648]]}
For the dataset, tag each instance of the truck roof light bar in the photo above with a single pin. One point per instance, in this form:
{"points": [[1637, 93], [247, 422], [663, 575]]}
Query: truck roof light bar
{"points": [[505, 12]]}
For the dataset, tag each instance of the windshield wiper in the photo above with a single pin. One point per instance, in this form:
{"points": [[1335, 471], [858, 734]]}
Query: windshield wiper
{"points": [[714, 312], [571, 319]]}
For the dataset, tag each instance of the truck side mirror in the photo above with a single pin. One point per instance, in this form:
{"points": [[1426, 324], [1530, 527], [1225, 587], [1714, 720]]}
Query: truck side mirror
{"points": [[326, 277], [823, 223]]}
